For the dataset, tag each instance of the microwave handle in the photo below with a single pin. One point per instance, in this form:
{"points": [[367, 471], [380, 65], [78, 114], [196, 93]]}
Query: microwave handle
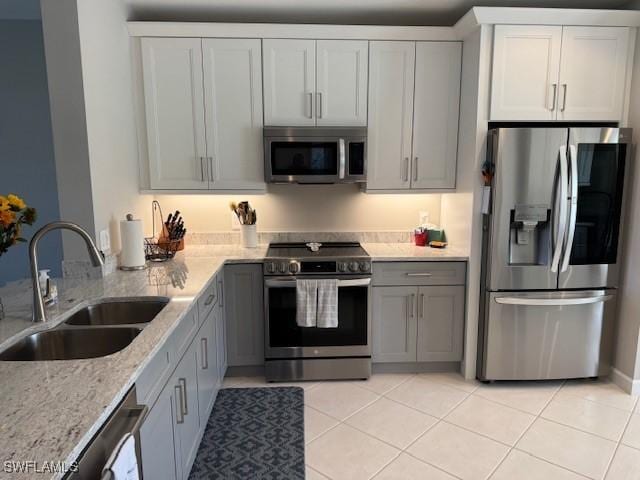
{"points": [[342, 156]]}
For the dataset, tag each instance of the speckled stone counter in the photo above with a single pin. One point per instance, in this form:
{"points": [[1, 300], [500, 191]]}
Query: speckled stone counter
{"points": [[50, 410]]}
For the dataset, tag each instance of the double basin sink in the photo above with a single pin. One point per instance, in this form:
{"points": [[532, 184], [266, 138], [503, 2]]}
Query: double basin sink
{"points": [[96, 330]]}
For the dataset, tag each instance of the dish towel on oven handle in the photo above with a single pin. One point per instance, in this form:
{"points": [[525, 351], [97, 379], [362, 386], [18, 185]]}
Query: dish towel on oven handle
{"points": [[306, 302], [123, 462], [328, 303]]}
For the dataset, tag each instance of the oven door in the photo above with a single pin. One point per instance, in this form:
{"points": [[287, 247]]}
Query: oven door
{"points": [[285, 339]]}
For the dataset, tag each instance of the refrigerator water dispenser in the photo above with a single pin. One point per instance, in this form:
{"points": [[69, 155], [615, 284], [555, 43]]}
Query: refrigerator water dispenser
{"points": [[530, 237]]}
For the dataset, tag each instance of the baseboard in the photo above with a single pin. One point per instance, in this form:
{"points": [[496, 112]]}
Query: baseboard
{"points": [[245, 371], [413, 367], [625, 382]]}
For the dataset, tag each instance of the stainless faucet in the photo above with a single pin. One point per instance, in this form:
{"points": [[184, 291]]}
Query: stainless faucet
{"points": [[39, 313]]}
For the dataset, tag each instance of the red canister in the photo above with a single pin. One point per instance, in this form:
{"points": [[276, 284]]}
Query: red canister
{"points": [[420, 237]]}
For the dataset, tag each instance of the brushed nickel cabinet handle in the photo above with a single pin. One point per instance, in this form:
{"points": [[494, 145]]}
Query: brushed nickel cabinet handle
{"points": [[211, 169], [406, 169], [202, 169], [209, 300], [420, 274], [319, 104], [205, 353], [411, 303], [177, 390], [564, 97], [310, 94], [421, 306], [415, 169], [221, 293], [183, 388], [554, 86]]}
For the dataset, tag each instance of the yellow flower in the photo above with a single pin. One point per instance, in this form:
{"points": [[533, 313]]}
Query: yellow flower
{"points": [[4, 204], [7, 217], [16, 201]]}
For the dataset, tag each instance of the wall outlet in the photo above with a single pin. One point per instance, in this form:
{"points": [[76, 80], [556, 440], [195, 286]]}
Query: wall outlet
{"points": [[104, 243], [235, 223]]}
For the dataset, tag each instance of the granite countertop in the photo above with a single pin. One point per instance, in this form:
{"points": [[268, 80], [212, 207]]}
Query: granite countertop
{"points": [[50, 410]]}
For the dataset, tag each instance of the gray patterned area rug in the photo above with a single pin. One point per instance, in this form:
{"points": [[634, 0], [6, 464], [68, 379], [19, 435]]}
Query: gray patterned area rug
{"points": [[253, 433]]}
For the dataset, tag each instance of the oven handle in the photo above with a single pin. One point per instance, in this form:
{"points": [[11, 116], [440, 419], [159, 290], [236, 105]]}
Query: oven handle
{"points": [[343, 160], [356, 282]]}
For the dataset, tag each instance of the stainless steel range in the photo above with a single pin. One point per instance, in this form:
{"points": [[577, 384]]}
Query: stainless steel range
{"points": [[311, 353]]}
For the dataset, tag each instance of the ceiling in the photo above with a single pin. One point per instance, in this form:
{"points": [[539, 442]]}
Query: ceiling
{"points": [[376, 12]]}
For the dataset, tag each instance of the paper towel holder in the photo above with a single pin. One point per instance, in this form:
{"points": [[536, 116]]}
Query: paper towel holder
{"points": [[129, 218]]}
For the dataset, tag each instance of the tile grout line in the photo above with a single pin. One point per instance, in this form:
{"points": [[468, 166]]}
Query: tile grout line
{"points": [[615, 450], [511, 448]]}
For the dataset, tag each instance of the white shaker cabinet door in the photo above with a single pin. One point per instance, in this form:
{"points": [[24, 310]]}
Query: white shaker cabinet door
{"points": [[174, 110], [593, 73], [435, 114], [391, 83], [289, 82], [233, 106], [526, 61], [341, 82]]}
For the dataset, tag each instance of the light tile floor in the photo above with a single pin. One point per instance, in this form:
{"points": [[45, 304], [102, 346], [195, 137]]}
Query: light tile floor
{"points": [[441, 427]]}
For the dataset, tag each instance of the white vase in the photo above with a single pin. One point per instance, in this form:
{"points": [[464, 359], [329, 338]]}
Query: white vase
{"points": [[248, 236]]}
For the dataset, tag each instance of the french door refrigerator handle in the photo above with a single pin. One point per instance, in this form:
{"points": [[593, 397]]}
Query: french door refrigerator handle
{"points": [[562, 214], [529, 301], [573, 206]]}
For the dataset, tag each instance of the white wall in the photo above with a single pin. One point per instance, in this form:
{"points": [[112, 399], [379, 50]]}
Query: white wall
{"points": [[308, 208], [627, 358], [111, 132]]}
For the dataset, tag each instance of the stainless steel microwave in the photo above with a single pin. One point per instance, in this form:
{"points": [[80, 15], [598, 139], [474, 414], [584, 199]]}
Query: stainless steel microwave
{"points": [[315, 155]]}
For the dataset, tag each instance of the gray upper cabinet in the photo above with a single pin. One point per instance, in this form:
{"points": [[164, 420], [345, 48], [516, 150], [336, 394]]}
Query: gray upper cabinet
{"points": [[203, 113], [440, 312], [244, 311], [233, 113], [174, 107], [315, 82], [436, 108], [394, 324], [414, 96]]}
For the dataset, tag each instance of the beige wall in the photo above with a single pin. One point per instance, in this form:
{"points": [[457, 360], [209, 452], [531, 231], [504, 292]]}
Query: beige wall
{"points": [[628, 337], [307, 208]]}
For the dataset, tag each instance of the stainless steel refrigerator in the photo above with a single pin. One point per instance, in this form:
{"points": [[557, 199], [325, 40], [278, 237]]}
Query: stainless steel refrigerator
{"points": [[551, 252]]}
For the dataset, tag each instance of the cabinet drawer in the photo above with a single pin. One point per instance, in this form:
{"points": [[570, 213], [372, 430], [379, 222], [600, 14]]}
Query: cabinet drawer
{"points": [[184, 333], [155, 375], [419, 273], [208, 299]]}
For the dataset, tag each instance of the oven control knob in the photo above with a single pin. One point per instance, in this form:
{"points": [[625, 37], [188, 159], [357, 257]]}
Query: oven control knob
{"points": [[294, 267], [364, 266], [342, 266], [282, 268], [353, 266], [271, 267]]}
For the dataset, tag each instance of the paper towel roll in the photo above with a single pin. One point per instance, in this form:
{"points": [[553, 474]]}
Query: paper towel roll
{"points": [[132, 241]]}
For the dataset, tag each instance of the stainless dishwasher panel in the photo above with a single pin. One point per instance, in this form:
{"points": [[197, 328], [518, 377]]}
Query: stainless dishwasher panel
{"points": [[547, 335], [127, 418]]}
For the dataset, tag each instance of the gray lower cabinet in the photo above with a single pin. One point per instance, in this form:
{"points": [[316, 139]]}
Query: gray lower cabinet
{"points": [[440, 323], [208, 371], [221, 330], [394, 324], [157, 445], [187, 427], [244, 311], [418, 316]]}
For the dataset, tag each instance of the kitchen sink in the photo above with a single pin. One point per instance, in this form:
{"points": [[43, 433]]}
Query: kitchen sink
{"points": [[119, 312], [70, 344]]}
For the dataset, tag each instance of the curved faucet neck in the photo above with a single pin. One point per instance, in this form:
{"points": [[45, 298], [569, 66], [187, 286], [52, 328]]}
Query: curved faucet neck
{"points": [[97, 259]]}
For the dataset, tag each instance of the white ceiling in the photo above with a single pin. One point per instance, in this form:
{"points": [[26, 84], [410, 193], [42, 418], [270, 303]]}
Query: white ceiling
{"points": [[398, 12]]}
